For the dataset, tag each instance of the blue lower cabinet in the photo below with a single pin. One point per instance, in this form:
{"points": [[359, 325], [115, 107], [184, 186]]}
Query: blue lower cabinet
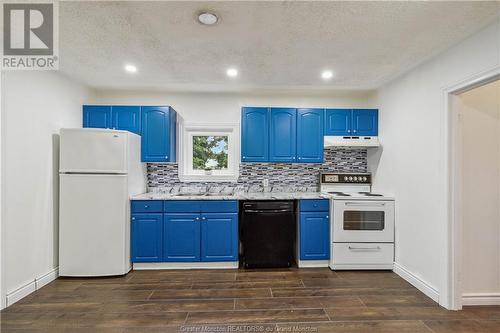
{"points": [[181, 237], [219, 237], [147, 237], [314, 236]]}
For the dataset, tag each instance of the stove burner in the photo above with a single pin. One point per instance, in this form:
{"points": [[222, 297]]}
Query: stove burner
{"points": [[369, 194], [340, 194]]}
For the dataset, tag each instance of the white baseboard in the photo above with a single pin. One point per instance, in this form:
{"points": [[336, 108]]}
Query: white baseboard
{"points": [[21, 292], [26, 289], [417, 282], [481, 299], [312, 263], [47, 278], [185, 265]]}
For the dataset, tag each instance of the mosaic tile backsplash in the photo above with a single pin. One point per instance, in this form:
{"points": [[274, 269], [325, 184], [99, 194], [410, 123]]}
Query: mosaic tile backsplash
{"points": [[283, 177]]}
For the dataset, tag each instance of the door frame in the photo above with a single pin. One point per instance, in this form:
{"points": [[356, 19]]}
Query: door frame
{"points": [[451, 293]]}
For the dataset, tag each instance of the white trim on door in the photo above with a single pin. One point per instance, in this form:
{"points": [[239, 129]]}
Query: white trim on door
{"points": [[450, 293]]}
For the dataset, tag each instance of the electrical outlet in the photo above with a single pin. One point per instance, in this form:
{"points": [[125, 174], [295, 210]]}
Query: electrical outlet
{"points": [[265, 182]]}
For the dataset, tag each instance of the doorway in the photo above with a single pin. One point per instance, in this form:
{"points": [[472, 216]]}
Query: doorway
{"points": [[475, 142]]}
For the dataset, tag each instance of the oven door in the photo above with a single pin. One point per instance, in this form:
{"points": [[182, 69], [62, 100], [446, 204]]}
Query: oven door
{"points": [[363, 221]]}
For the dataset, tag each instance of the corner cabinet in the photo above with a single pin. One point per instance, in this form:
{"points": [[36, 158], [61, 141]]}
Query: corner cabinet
{"points": [[314, 230], [158, 134], [185, 231], [351, 122], [155, 124], [254, 134]]}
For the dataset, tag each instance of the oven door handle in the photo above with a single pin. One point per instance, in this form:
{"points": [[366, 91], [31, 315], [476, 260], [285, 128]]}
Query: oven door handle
{"points": [[365, 204], [374, 248]]}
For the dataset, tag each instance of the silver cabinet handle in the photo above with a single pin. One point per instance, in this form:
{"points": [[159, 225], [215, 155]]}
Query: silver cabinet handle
{"points": [[365, 203], [203, 218], [364, 248], [197, 219], [133, 219]]}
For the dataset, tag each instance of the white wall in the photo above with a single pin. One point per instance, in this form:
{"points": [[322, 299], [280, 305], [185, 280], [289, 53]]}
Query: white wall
{"points": [[412, 164], [480, 146], [225, 107], [35, 106]]}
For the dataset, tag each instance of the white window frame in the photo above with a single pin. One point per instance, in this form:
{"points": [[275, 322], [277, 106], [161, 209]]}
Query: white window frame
{"points": [[185, 149]]}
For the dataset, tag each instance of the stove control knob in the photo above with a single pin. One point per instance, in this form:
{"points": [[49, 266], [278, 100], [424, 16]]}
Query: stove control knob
{"points": [[350, 178], [365, 179], [346, 178], [355, 178]]}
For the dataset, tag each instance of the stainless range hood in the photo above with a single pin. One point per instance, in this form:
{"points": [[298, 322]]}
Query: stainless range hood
{"points": [[351, 141]]}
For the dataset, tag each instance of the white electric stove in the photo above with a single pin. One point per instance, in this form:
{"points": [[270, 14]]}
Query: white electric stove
{"points": [[361, 222]]}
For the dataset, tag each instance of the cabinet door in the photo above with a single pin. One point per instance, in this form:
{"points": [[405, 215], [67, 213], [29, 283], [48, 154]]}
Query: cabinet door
{"points": [[365, 122], [97, 116], [338, 122], [127, 118], [310, 135], [219, 237], [255, 135], [181, 237], [314, 236], [156, 134], [147, 237], [282, 135]]}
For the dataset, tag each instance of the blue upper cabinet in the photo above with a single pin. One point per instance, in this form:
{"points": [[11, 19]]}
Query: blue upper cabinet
{"points": [[158, 134], [282, 135], [338, 122], [219, 237], [147, 237], [127, 118], [181, 234], [310, 135], [365, 122], [97, 116], [255, 134], [351, 122]]}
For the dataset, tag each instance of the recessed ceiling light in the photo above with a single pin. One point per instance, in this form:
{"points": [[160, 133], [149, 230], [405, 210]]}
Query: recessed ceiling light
{"points": [[131, 68], [207, 18], [326, 75], [232, 72]]}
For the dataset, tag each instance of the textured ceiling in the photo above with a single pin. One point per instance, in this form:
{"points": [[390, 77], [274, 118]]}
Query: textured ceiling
{"points": [[275, 45]]}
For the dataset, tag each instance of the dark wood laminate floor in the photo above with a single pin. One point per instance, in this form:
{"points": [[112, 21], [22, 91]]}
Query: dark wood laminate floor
{"points": [[288, 300]]}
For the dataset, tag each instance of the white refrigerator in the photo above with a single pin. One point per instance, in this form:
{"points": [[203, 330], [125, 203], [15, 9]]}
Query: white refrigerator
{"points": [[99, 170]]}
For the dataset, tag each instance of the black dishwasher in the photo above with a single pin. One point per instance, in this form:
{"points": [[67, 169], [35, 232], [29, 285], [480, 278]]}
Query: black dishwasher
{"points": [[267, 233]]}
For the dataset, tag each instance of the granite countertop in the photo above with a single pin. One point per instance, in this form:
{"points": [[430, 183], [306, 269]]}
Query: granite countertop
{"points": [[239, 196]]}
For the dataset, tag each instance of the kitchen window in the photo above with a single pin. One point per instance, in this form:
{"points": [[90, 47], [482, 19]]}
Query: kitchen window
{"points": [[209, 153]]}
